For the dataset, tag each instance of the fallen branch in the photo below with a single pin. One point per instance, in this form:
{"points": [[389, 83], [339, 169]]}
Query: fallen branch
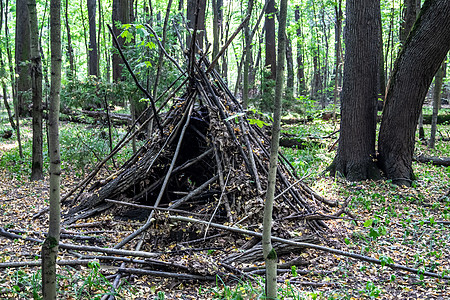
{"points": [[312, 246], [37, 263], [144, 254], [179, 276], [437, 161]]}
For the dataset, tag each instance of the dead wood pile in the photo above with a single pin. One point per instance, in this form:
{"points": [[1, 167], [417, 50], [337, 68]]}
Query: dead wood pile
{"points": [[206, 160]]}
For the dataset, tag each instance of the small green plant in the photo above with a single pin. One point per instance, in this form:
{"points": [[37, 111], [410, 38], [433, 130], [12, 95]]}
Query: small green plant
{"points": [[371, 290]]}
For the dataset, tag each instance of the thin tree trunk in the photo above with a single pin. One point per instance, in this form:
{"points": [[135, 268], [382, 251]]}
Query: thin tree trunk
{"points": [[269, 253], [36, 84], [248, 55], [85, 34], [13, 81], [2, 66], [438, 79], [50, 245], [290, 70], [216, 29], [72, 69], [161, 53], [300, 67], [338, 47]]}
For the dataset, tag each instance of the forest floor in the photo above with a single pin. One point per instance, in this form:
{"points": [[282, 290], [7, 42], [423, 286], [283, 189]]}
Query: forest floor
{"points": [[407, 225]]}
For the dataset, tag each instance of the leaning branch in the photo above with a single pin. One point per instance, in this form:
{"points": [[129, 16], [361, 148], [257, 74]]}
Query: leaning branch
{"points": [[147, 94]]}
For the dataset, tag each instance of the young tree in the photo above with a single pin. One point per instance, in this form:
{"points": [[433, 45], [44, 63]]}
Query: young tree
{"points": [[438, 80], [301, 86], [418, 62], [36, 84], [22, 52], [247, 56], [72, 69], [50, 245], [269, 253], [356, 150]]}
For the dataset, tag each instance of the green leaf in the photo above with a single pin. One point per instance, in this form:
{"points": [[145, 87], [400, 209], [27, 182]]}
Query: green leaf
{"points": [[368, 223], [294, 271]]}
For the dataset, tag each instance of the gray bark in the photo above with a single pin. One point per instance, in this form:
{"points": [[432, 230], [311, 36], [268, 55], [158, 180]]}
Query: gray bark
{"points": [[36, 84], [50, 245]]}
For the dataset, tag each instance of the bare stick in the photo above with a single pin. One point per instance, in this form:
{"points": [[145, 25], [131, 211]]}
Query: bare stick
{"points": [[313, 246], [146, 207], [167, 274], [13, 236], [194, 192], [163, 49]]}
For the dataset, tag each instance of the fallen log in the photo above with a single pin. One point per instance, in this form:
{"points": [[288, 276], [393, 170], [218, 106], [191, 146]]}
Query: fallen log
{"points": [[299, 143], [437, 161]]}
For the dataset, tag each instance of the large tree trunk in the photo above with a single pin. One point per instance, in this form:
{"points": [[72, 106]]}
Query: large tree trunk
{"points": [[93, 52], [22, 52], [120, 14], [356, 151], [191, 12], [36, 80], [50, 245], [421, 57]]}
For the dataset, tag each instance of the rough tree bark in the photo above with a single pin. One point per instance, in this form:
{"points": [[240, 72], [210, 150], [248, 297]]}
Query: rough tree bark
{"points": [[301, 87], [93, 51], [36, 84], [269, 253], [248, 56], [338, 48], [356, 151], [120, 15], [269, 25], [50, 245], [409, 16], [22, 53], [190, 13], [418, 62]]}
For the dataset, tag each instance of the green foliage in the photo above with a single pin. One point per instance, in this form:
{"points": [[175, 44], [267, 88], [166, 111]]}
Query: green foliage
{"points": [[91, 94], [71, 284], [371, 290]]}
